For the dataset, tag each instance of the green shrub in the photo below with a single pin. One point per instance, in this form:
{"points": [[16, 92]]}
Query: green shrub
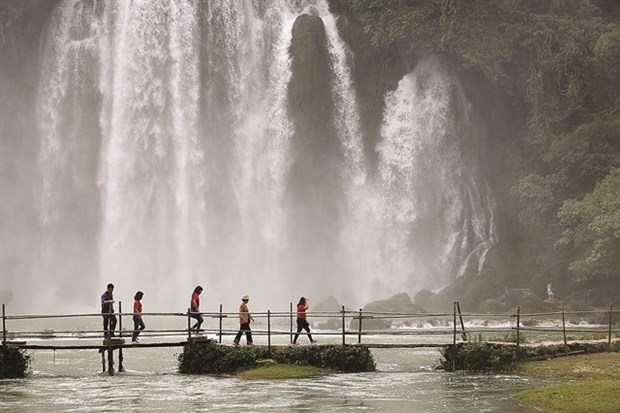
{"points": [[341, 358], [479, 357], [211, 358], [491, 357], [14, 362]]}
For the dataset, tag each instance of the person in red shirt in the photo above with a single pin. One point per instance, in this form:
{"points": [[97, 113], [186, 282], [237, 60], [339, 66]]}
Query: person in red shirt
{"points": [[302, 323], [138, 323], [194, 308]]}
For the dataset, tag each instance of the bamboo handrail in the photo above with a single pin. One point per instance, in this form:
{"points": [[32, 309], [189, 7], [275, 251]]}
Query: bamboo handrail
{"points": [[568, 312], [315, 314], [446, 326]]}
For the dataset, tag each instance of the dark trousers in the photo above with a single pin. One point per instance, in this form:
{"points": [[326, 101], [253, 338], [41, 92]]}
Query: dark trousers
{"points": [[198, 318], [302, 324], [109, 319], [248, 333], [138, 326]]}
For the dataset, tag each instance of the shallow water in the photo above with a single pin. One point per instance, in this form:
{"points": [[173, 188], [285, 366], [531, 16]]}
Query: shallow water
{"points": [[405, 381]]}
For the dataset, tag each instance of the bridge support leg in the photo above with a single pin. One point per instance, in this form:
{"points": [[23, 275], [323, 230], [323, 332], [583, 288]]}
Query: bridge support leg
{"points": [[110, 362], [121, 369]]}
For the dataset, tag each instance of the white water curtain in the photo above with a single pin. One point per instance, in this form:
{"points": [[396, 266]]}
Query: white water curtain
{"points": [[168, 122]]}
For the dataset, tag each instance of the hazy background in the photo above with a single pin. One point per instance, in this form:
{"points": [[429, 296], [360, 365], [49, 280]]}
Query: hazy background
{"points": [[160, 145]]}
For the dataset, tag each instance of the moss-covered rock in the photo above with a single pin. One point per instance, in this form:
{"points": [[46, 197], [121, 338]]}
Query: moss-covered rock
{"points": [[329, 304], [400, 303], [313, 195]]}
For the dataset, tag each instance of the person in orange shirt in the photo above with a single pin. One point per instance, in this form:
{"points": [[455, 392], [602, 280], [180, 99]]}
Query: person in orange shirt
{"points": [[244, 321], [138, 323]]}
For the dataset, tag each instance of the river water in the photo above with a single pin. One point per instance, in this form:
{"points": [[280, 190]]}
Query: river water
{"points": [[405, 381]]}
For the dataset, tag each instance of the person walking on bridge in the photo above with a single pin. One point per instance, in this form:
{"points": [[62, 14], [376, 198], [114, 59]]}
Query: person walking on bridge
{"points": [[302, 323], [194, 308], [244, 321], [107, 311], [138, 323]]}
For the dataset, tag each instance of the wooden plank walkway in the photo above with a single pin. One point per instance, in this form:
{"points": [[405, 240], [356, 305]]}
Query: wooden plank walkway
{"points": [[26, 346], [96, 346]]}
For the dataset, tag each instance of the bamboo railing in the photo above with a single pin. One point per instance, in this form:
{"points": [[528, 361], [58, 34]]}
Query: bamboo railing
{"points": [[410, 325], [354, 326]]}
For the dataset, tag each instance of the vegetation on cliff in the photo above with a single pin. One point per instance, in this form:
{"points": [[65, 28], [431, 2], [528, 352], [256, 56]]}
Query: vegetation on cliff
{"points": [[555, 66]]}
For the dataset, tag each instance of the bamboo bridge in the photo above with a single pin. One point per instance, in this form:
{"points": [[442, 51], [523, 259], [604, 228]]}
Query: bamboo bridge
{"points": [[276, 329]]}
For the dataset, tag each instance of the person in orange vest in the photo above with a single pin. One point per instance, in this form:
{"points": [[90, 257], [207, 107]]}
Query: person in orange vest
{"points": [[244, 321]]}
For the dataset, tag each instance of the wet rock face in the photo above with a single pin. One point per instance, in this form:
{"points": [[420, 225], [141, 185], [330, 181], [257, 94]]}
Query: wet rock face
{"points": [[313, 194]]}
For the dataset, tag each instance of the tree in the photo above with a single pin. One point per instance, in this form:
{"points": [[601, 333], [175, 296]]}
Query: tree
{"points": [[592, 228]]}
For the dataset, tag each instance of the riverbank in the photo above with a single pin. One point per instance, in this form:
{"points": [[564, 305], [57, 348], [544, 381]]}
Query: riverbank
{"points": [[592, 386]]}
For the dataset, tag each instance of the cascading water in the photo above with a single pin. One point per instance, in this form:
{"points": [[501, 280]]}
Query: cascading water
{"points": [[166, 151], [434, 217]]}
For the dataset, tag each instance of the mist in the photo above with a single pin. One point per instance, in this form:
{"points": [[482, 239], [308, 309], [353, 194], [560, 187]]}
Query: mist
{"points": [[162, 145]]}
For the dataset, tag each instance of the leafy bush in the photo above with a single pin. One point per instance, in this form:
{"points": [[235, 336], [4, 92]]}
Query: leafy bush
{"points": [[14, 363], [211, 358], [341, 358], [479, 357], [490, 357]]}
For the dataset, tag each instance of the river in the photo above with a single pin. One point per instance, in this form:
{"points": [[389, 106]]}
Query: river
{"points": [[405, 381]]}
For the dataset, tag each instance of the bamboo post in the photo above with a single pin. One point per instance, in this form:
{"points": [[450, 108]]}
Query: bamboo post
{"points": [[454, 337], [269, 332], [343, 328], [110, 352], [4, 325], [120, 335], [290, 336], [564, 332], [611, 309], [463, 334], [220, 340], [518, 331], [189, 325], [110, 360], [359, 330]]}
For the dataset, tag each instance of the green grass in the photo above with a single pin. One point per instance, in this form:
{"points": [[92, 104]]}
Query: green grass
{"points": [[595, 389], [601, 366], [282, 371], [584, 396]]}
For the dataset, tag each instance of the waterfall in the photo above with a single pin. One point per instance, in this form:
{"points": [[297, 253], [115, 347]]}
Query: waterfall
{"points": [[165, 156], [68, 201], [151, 157], [435, 214]]}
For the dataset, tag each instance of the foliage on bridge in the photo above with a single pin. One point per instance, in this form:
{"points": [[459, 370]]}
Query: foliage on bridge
{"points": [[14, 363], [212, 358]]}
